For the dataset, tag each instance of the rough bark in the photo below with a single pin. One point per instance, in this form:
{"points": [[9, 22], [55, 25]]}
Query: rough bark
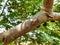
{"points": [[23, 28], [28, 25], [47, 7], [48, 4]]}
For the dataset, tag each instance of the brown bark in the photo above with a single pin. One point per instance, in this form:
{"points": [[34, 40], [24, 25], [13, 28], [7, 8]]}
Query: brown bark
{"points": [[28, 25], [48, 4], [23, 28]]}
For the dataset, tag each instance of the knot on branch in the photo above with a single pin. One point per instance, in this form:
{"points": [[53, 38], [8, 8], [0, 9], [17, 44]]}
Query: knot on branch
{"points": [[48, 15]]}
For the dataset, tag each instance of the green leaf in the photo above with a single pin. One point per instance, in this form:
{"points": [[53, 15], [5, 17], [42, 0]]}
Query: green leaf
{"points": [[1, 43]]}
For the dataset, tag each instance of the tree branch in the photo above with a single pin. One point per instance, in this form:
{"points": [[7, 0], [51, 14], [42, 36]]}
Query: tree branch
{"points": [[23, 28], [28, 25], [48, 4], [56, 16]]}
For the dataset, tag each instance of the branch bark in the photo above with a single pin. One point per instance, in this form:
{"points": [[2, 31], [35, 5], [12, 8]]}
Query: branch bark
{"points": [[56, 16], [22, 28], [28, 25], [48, 4]]}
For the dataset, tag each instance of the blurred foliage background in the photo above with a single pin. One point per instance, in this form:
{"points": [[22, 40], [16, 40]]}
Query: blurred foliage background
{"points": [[13, 12]]}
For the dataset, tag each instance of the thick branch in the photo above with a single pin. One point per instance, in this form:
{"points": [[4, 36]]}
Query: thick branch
{"points": [[47, 5], [23, 28], [56, 16], [28, 25]]}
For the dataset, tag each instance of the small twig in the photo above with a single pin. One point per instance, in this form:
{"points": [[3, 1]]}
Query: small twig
{"points": [[4, 7]]}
